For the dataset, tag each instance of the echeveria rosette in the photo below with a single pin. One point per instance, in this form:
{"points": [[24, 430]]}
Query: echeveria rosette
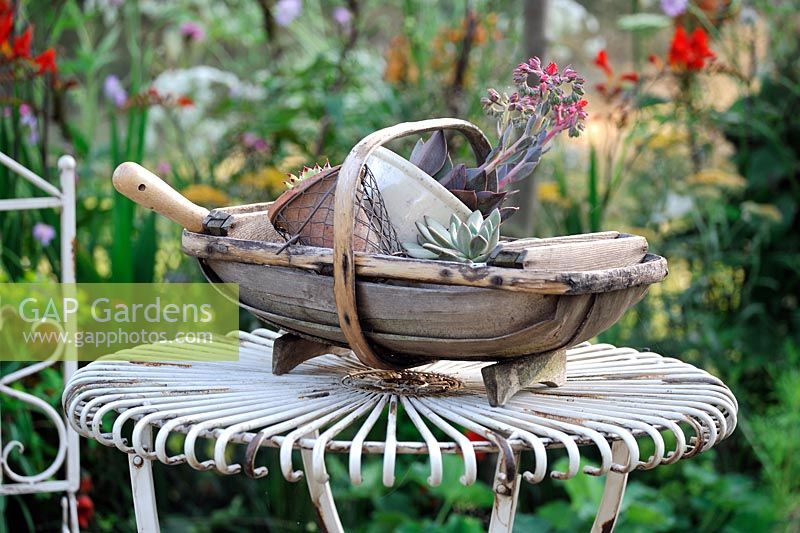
{"points": [[466, 241]]}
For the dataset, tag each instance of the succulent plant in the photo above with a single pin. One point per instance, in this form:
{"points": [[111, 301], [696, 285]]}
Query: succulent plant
{"points": [[475, 188], [306, 173], [547, 102], [467, 241]]}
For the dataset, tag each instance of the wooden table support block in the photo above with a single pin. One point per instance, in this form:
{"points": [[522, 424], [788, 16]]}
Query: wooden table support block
{"points": [[504, 379], [290, 350]]}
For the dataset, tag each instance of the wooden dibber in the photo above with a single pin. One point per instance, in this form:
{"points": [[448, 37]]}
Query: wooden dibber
{"points": [[148, 190]]}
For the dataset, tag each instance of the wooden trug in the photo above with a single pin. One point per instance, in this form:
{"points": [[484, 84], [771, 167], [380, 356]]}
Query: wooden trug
{"points": [[534, 298]]}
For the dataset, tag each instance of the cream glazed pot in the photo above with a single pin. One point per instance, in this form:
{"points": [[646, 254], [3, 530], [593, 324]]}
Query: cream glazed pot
{"points": [[409, 194]]}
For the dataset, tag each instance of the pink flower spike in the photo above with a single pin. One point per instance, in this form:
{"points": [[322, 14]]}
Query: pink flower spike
{"points": [[163, 169], [285, 11], [674, 8], [44, 233], [193, 32], [114, 92], [342, 16]]}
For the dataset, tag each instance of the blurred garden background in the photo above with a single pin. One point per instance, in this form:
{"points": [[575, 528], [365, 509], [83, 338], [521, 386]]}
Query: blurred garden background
{"points": [[692, 140]]}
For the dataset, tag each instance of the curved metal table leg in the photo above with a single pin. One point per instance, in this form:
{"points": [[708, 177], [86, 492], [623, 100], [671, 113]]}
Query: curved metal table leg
{"points": [[142, 488], [613, 492], [506, 494], [321, 495]]}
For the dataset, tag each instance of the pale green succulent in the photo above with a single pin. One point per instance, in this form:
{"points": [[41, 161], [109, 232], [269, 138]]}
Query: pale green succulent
{"points": [[469, 241]]}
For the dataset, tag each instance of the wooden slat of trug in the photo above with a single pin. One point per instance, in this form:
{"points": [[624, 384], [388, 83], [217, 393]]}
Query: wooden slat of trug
{"points": [[652, 270], [586, 255], [522, 244], [572, 253]]}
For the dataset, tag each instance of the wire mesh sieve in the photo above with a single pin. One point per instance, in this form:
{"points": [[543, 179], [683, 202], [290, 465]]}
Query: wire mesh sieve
{"points": [[307, 216]]}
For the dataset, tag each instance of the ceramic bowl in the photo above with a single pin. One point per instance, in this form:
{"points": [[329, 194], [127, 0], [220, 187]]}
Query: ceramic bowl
{"points": [[409, 194]]}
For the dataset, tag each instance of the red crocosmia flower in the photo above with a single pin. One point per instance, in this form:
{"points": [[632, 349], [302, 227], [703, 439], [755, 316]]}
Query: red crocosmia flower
{"points": [[474, 437], [6, 25], [185, 101], [679, 51], [46, 61], [22, 44], [602, 88], [700, 49], [551, 69], [602, 61], [630, 76], [687, 52], [85, 510]]}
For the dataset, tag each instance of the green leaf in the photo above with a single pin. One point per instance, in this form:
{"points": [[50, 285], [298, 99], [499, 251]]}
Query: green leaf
{"points": [[449, 253], [477, 245], [476, 496], [418, 252], [439, 233], [494, 218], [463, 238], [475, 220], [423, 231], [643, 22]]}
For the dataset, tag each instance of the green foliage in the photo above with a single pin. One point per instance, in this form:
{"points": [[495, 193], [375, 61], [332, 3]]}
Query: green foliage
{"points": [[266, 104]]}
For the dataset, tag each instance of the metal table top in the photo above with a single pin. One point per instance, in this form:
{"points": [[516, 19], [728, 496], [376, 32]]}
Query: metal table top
{"points": [[612, 395]]}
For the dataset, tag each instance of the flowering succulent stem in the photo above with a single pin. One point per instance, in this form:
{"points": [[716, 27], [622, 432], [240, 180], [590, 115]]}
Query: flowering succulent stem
{"points": [[547, 102]]}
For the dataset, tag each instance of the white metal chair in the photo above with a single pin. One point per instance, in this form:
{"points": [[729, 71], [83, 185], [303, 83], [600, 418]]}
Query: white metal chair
{"points": [[48, 480]]}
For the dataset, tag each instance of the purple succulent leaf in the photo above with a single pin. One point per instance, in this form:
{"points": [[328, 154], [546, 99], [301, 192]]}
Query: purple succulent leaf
{"points": [[529, 125], [445, 170], [493, 153], [491, 182], [502, 170], [476, 179], [507, 135], [430, 155], [524, 143], [513, 159], [507, 211], [488, 201], [533, 154], [456, 178], [521, 171], [468, 198]]}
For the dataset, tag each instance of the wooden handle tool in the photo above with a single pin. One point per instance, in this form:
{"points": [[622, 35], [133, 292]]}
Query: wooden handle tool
{"points": [[149, 191]]}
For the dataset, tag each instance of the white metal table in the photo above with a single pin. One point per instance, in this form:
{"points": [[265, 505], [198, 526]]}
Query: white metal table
{"points": [[613, 398]]}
